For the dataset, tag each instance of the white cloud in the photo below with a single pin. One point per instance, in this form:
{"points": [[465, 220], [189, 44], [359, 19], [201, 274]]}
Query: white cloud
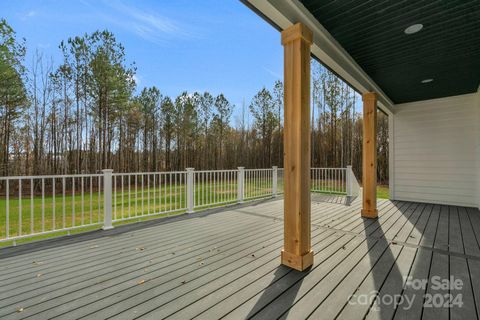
{"points": [[147, 25], [43, 45], [29, 14], [274, 74], [137, 79]]}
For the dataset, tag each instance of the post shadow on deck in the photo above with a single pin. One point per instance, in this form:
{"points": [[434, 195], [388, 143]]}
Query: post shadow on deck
{"points": [[391, 269], [384, 280], [270, 294]]}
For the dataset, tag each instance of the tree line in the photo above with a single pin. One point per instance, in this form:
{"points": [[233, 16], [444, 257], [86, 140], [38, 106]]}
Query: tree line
{"points": [[86, 113]]}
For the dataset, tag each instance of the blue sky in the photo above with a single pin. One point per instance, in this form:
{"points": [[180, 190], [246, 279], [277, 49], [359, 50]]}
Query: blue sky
{"points": [[213, 45]]}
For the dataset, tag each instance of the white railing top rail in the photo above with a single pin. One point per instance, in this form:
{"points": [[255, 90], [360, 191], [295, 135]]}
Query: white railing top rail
{"points": [[220, 170], [79, 175], [146, 173], [59, 176]]}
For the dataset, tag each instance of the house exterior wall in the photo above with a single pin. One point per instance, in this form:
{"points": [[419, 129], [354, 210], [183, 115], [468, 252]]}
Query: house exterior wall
{"points": [[478, 148], [436, 151]]}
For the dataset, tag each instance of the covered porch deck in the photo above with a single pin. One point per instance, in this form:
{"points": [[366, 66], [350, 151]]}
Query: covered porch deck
{"points": [[225, 263]]}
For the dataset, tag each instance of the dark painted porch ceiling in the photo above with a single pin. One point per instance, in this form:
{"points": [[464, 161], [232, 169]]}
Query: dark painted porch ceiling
{"points": [[446, 50]]}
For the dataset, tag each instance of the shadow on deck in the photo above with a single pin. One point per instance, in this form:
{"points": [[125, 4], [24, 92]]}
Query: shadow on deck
{"points": [[225, 263]]}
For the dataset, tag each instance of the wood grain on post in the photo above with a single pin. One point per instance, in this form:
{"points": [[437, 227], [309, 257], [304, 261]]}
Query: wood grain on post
{"points": [[369, 163], [297, 252]]}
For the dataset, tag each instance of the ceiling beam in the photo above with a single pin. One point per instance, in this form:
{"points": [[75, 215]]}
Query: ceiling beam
{"points": [[284, 13]]}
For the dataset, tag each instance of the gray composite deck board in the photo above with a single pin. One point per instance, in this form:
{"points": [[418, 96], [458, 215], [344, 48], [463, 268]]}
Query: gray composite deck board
{"points": [[439, 267], [455, 243], [468, 236], [190, 307], [419, 270], [416, 236], [467, 310], [475, 223], [411, 224], [160, 272], [442, 236], [392, 285], [224, 262], [167, 255], [474, 268], [430, 232]]}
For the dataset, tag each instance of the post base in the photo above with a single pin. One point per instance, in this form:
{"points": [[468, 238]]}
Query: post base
{"points": [[107, 227], [297, 262], [370, 214]]}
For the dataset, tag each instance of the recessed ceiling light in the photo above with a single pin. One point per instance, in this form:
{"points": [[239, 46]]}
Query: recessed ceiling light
{"points": [[427, 80], [414, 28]]}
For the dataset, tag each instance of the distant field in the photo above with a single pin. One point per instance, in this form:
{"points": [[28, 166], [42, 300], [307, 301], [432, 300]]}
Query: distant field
{"points": [[383, 192]]}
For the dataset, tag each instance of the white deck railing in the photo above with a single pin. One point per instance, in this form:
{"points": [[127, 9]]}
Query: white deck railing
{"points": [[331, 180], [36, 205], [138, 195], [211, 188]]}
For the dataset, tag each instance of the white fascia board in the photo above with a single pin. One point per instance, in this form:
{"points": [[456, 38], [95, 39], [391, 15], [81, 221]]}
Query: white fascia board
{"points": [[284, 13]]}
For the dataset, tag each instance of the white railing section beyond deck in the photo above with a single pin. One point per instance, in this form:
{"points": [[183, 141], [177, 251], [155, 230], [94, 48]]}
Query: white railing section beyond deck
{"points": [[353, 187], [36, 205], [330, 180]]}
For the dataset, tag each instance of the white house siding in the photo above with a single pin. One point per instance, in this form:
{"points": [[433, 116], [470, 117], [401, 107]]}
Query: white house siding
{"points": [[436, 151]]}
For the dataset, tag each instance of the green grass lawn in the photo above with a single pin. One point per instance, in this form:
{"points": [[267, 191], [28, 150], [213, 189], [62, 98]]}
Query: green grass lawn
{"points": [[328, 186], [383, 192]]}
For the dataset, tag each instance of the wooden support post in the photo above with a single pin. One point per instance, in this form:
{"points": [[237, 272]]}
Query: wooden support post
{"points": [[369, 209], [297, 252]]}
